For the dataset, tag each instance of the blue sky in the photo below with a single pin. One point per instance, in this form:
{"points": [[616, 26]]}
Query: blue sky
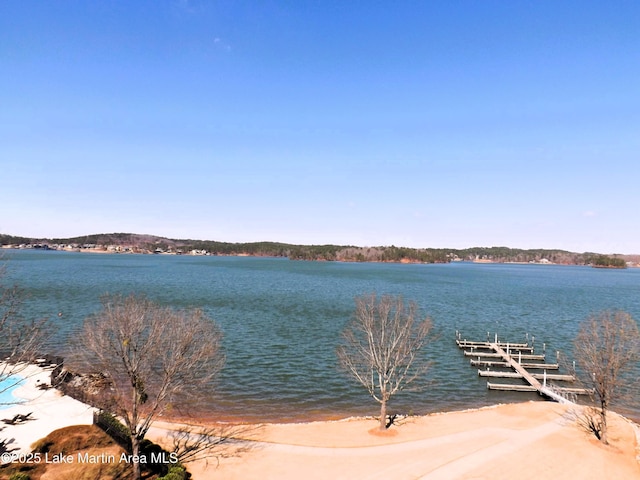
{"points": [[421, 124]]}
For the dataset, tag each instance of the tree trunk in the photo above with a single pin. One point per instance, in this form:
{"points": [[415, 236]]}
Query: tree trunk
{"points": [[383, 415], [603, 424], [135, 450]]}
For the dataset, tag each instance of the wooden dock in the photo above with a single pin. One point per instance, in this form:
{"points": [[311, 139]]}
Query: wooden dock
{"points": [[523, 356], [523, 347], [537, 376], [531, 366], [511, 356]]}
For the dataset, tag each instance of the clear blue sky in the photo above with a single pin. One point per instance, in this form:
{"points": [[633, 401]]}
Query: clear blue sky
{"points": [[421, 124]]}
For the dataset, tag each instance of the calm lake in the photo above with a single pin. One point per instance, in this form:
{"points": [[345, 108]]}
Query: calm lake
{"points": [[282, 319]]}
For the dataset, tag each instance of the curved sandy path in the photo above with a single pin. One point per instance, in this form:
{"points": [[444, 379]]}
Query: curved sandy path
{"points": [[523, 440]]}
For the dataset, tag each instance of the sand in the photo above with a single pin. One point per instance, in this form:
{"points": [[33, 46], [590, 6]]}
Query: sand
{"points": [[525, 441], [530, 440]]}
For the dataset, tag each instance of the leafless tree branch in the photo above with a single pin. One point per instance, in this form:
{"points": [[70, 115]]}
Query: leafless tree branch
{"points": [[382, 347], [21, 339], [152, 356], [606, 348]]}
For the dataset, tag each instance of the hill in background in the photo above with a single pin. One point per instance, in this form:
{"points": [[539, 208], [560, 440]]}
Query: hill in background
{"points": [[137, 243]]}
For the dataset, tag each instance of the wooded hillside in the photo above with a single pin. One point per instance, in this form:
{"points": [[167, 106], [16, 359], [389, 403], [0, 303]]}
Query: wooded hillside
{"points": [[149, 244]]}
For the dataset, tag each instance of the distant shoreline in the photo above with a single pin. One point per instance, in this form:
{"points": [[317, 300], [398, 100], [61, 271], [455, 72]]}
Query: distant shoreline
{"points": [[102, 250]]}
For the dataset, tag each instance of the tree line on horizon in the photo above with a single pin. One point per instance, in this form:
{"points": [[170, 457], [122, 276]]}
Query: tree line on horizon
{"points": [[330, 252]]}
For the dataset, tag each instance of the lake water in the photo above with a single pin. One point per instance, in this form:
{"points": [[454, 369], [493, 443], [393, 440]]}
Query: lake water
{"points": [[282, 319]]}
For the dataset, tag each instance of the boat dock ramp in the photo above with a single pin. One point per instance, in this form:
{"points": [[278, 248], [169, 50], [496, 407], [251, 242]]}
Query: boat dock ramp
{"points": [[518, 359]]}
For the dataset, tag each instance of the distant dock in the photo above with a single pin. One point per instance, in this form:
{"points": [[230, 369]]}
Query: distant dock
{"points": [[514, 361]]}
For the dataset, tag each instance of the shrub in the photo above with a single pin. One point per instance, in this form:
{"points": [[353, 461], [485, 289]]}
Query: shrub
{"points": [[20, 476], [177, 472], [114, 428]]}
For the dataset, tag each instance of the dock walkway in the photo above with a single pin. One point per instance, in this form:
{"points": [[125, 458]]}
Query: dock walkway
{"points": [[509, 355]]}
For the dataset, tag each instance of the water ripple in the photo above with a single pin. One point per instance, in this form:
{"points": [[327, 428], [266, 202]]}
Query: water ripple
{"points": [[282, 320]]}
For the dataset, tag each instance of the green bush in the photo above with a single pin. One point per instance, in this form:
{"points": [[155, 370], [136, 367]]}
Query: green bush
{"points": [[177, 472], [19, 476], [114, 428], [110, 421]]}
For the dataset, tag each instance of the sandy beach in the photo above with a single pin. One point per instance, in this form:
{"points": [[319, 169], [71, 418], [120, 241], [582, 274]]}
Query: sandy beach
{"points": [[524, 440]]}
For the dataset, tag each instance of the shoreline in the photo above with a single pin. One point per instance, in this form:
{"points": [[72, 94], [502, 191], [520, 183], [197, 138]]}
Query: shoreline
{"points": [[402, 261], [29, 393], [490, 442]]}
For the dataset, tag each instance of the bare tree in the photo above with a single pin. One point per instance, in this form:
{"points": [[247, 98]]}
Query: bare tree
{"points": [[382, 347], [152, 356], [21, 339], [606, 348]]}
